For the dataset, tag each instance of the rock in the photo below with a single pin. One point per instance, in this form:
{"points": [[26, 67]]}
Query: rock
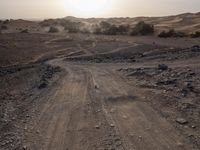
{"points": [[37, 131], [42, 85], [167, 82], [193, 126], [181, 121], [96, 87], [189, 85], [97, 127], [112, 125], [24, 147], [162, 67], [179, 144], [195, 48], [124, 116]]}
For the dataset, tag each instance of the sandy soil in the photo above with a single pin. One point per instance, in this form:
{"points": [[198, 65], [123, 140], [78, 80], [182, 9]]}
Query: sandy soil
{"points": [[86, 92]]}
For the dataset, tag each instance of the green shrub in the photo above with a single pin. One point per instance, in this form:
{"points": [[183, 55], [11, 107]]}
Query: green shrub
{"points": [[123, 29], [142, 28], [6, 21], [179, 34], [111, 29], [171, 33], [53, 30], [195, 35], [165, 34]]}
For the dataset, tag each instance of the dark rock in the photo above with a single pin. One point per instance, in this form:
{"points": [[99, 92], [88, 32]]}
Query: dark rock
{"points": [[42, 85], [189, 86], [167, 82], [162, 67], [195, 48]]}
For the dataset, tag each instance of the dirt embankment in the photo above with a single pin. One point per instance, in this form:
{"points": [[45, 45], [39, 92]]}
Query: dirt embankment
{"points": [[19, 91]]}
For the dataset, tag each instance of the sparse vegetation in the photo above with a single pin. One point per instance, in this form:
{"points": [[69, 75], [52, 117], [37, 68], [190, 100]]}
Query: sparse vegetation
{"points": [[171, 33], [72, 27], [53, 30], [195, 35], [142, 28], [111, 29], [6, 21]]}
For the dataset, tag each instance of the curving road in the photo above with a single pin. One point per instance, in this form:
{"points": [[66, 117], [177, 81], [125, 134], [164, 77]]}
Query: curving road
{"points": [[93, 108]]}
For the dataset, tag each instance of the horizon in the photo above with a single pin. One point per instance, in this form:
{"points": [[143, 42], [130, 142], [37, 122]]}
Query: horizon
{"points": [[37, 10], [38, 19]]}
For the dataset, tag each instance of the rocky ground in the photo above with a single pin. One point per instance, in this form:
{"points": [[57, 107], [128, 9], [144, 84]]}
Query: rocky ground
{"points": [[76, 91], [177, 94]]}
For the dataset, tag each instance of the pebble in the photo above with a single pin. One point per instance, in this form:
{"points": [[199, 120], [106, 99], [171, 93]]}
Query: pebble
{"points": [[125, 117], [179, 144], [37, 131], [181, 121], [193, 126], [97, 127], [112, 125]]}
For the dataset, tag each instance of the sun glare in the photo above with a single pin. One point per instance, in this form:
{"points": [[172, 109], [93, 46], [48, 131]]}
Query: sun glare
{"points": [[88, 8]]}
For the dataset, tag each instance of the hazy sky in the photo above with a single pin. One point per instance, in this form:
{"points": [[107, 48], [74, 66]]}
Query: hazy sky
{"points": [[110, 8]]}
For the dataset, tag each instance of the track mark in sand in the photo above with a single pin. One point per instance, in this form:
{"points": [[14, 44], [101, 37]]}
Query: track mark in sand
{"points": [[112, 138], [139, 126], [93, 108]]}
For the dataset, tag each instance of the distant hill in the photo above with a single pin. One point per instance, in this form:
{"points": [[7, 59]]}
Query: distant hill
{"points": [[187, 22]]}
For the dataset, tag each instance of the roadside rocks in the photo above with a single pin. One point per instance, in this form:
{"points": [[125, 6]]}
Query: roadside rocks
{"points": [[48, 74], [183, 80], [13, 69]]}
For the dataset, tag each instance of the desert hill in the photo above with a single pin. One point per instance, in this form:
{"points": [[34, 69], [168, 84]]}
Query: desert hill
{"points": [[187, 22]]}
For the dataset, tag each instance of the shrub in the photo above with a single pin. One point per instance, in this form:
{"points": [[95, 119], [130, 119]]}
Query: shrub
{"points": [[179, 34], [142, 28], [6, 21], [72, 27], [53, 30], [165, 34], [171, 33], [111, 29], [123, 29], [195, 35]]}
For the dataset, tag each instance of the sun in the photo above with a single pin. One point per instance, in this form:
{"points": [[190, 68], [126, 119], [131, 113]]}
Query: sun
{"points": [[88, 8]]}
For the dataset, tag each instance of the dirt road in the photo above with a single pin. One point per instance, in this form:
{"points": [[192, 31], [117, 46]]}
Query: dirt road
{"points": [[93, 108], [69, 94]]}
